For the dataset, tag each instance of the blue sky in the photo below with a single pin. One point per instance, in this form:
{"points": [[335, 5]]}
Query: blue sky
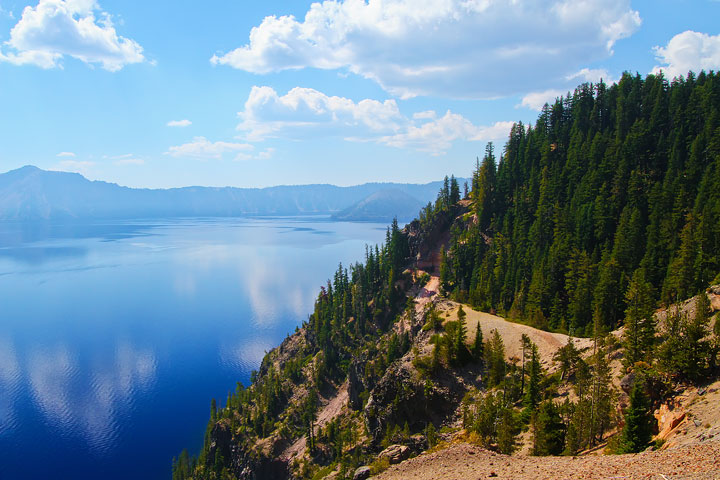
{"points": [[162, 94]]}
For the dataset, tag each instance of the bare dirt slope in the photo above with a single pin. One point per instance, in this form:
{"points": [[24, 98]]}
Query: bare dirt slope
{"points": [[467, 462], [548, 343], [511, 332], [329, 409]]}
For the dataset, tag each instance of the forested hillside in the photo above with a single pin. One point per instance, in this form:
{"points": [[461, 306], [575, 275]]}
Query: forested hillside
{"points": [[603, 210], [611, 183]]}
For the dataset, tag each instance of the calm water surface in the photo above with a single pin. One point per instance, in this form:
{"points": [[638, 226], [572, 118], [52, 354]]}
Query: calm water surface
{"points": [[114, 337]]}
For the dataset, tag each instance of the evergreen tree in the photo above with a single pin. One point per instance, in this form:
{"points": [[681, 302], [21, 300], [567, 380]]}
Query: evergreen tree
{"points": [[697, 342], [532, 396], [495, 359], [483, 192], [548, 430], [639, 421], [639, 335], [507, 431], [478, 346], [454, 190], [461, 353]]}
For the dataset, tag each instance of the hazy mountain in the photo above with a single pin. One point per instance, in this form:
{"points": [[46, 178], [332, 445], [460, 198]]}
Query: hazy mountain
{"points": [[382, 206], [30, 193]]}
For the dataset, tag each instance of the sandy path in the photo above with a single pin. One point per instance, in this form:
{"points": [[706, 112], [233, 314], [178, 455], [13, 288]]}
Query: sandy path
{"points": [[466, 462]]}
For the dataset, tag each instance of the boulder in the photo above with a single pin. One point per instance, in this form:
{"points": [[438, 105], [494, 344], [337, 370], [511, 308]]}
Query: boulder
{"points": [[669, 419], [627, 382], [362, 473], [395, 453]]}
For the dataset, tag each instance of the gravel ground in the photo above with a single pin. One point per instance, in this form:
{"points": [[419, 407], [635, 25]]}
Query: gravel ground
{"points": [[467, 462]]}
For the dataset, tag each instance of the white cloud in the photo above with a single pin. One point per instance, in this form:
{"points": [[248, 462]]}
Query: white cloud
{"points": [[179, 123], [427, 114], [78, 166], [266, 154], [305, 112], [263, 155], [202, 148], [592, 75], [448, 48], [65, 154], [76, 28], [437, 136], [7, 13], [536, 100], [688, 51]]}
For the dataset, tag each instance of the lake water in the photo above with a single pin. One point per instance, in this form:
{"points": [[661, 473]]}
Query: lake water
{"points": [[114, 337]]}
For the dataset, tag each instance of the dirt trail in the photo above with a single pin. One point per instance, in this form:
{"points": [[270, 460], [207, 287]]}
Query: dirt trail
{"points": [[467, 462]]}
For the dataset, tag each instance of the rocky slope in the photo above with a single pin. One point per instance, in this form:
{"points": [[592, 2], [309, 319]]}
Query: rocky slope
{"points": [[464, 461]]}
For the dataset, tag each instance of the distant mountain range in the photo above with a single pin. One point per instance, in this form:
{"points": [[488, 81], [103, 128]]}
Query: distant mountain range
{"points": [[378, 205], [30, 193]]}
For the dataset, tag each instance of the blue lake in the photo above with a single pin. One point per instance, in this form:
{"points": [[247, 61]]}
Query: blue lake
{"points": [[115, 336]]}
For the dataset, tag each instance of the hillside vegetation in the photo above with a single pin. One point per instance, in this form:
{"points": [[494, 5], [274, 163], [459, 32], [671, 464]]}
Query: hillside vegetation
{"points": [[608, 184], [606, 209]]}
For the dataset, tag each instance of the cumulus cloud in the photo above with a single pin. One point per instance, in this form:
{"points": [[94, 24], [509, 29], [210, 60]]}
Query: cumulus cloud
{"points": [[448, 48], [179, 123], [305, 112], [438, 135], [203, 149], [76, 28], [688, 51], [536, 100]]}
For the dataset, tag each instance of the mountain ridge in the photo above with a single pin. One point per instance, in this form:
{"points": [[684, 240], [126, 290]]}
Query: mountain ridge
{"points": [[30, 193]]}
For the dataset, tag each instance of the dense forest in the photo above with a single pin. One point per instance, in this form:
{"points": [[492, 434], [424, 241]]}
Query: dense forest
{"points": [[606, 208], [610, 183]]}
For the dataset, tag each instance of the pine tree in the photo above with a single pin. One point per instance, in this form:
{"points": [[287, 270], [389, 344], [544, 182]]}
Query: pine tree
{"points": [[532, 396], [548, 430], [445, 272], [495, 359], [483, 193], [454, 190], [459, 342], [639, 421], [507, 431], [478, 346], [696, 345], [639, 335], [601, 396], [567, 358]]}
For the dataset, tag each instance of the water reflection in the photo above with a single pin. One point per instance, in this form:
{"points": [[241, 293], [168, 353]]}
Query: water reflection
{"points": [[246, 354], [105, 343], [23, 233], [41, 255], [91, 405], [9, 384]]}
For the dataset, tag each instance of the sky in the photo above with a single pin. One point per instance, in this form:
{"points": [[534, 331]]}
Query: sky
{"points": [[251, 94]]}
